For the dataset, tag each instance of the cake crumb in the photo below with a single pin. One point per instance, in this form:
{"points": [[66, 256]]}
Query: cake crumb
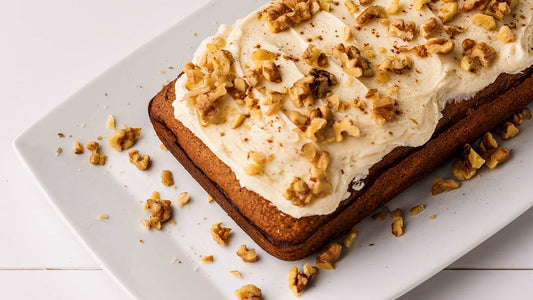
{"points": [[249, 292], [207, 259], [432, 217], [142, 242], [173, 222], [78, 148], [124, 138], [163, 147], [174, 259], [166, 178], [328, 256], [350, 237], [103, 217], [173, 187], [397, 226], [59, 150], [83, 125], [196, 269], [161, 72], [416, 210], [209, 198], [160, 212], [60, 135], [236, 273]]}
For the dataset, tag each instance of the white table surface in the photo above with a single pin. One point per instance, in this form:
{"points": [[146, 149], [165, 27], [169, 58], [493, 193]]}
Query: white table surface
{"points": [[52, 48]]}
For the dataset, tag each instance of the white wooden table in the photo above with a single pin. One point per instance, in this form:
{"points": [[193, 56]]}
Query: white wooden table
{"points": [[49, 50]]}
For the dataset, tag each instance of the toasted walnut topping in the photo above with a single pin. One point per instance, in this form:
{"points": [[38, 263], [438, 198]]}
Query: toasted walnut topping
{"points": [[207, 259], [466, 165], [160, 210], [468, 44], [166, 178], [470, 5], [507, 131], [282, 16], [249, 292], [365, 2], [314, 57], [517, 119], [418, 4], [350, 5], [297, 118], [220, 234], [484, 21], [380, 216], [257, 164], [397, 226], [467, 64], [124, 138], [321, 188], [310, 152], [328, 256], [183, 198], [260, 55], [299, 193], [486, 145], [453, 30], [441, 185], [322, 82], [372, 12], [394, 7], [447, 12], [403, 30], [141, 162], [350, 237], [78, 148], [313, 130], [398, 65], [526, 114], [497, 156], [271, 72], [427, 27], [335, 103], [237, 121], [484, 53], [352, 61], [298, 281], [383, 110], [416, 210], [505, 35], [439, 46], [301, 93], [274, 100], [96, 158], [345, 126], [498, 9], [347, 34], [246, 255]]}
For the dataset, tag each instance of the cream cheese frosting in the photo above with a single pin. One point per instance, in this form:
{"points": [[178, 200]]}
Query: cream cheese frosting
{"points": [[420, 94]]}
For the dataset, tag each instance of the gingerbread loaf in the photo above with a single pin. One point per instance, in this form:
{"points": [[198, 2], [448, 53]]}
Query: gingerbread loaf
{"points": [[355, 94]]}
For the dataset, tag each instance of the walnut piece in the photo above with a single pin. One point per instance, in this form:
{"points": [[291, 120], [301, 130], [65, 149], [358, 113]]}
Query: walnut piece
{"points": [[468, 162], [403, 30], [484, 53], [235, 273], [505, 35], [110, 123], [467, 64], [257, 163], [350, 6], [453, 30], [526, 114], [166, 178], [447, 12], [497, 156], [352, 61], [391, 64], [470, 5], [350, 237], [96, 158], [345, 126], [124, 138], [441, 185], [207, 259], [249, 292], [487, 144], [418, 4], [416, 210], [220, 234], [142, 163], [78, 148], [484, 21], [508, 130], [298, 281], [247, 255], [314, 57], [237, 121], [328, 256], [427, 27], [439, 46], [498, 9], [183, 198], [394, 7], [282, 16], [299, 193], [397, 226], [160, 212], [383, 110], [372, 12]]}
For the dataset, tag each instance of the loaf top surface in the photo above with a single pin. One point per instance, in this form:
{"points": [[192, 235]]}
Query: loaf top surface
{"points": [[301, 98]]}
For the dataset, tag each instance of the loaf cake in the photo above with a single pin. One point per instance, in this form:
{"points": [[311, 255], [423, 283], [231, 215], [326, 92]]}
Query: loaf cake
{"points": [[304, 117]]}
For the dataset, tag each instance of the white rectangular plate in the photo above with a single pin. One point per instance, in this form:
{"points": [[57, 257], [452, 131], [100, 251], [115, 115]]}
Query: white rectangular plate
{"points": [[80, 191]]}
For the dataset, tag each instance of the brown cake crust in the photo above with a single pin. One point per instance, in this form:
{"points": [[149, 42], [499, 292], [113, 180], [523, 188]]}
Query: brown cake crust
{"points": [[289, 238]]}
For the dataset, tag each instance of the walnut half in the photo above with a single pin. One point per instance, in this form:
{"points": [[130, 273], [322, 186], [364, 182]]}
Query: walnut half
{"points": [[249, 292], [124, 138], [160, 212], [441, 185], [298, 281], [246, 255], [328, 256]]}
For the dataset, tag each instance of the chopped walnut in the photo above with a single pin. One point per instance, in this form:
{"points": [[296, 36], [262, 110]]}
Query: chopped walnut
{"points": [[484, 53], [220, 234], [418, 4], [345, 126], [439, 46], [237, 121], [328, 256], [497, 156], [207, 259], [110, 123], [350, 5], [441, 185], [124, 138], [365, 2], [487, 144], [466, 165], [102, 217], [352, 61], [310, 152], [274, 100], [282, 16], [453, 30], [166, 178], [78, 148], [271, 72], [416, 210], [261, 55], [505, 35], [427, 27], [470, 5], [249, 292], [468, 44], [160, 210], [347, 34], [383, 110], [379, 216], [447, 12], [235, 273], [301, 93], [316, 125], [96, 158], [299, 193], [372, 12], [507, 131], [484, 21], [298, 281], [350, 237], [467, 64], [246, 255], [314, 57], [257, 164], [183, 198], [403, 30], [517, 119], [397, 226], [141, 163], [526, 114], [397, 65], [498, 9]]}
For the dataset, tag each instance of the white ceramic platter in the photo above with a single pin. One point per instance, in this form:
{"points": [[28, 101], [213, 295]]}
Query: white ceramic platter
{"points": [[80, 191]]}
